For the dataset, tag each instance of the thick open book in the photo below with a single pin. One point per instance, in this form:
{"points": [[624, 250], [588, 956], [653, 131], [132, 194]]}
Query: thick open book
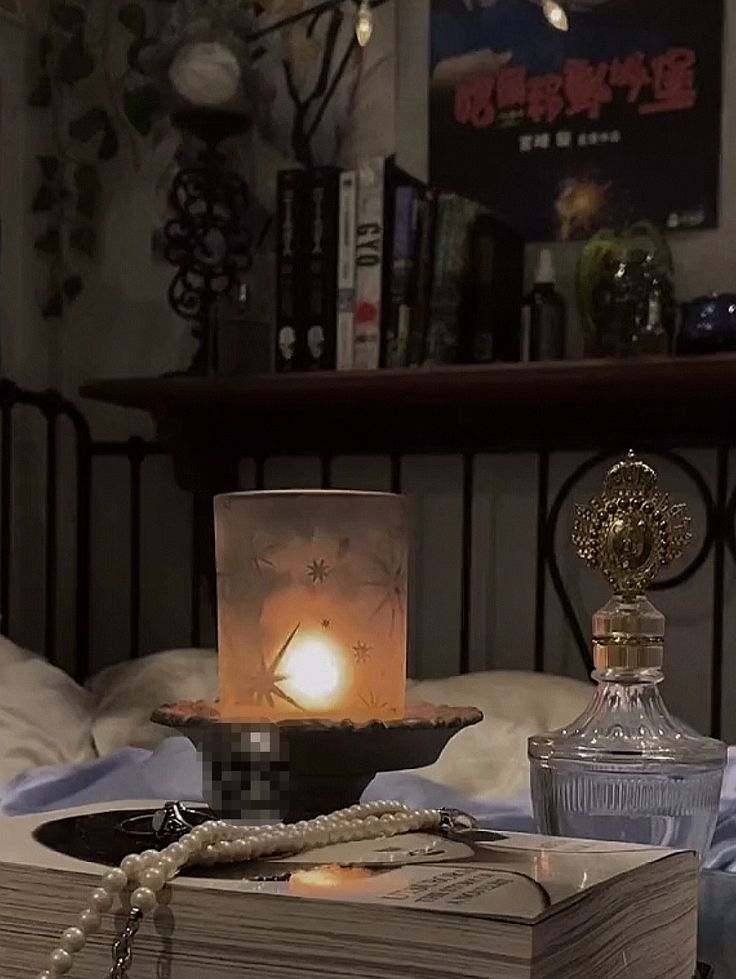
{"points": [[415, 907]]}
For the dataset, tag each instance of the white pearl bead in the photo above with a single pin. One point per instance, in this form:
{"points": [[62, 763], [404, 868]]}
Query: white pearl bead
{"points": [[143, 898], [115, 881], [100, 900], [60, 962], [169, 866], [197, 838], [44, 975], [153, 878], [243, 850], [231, 850], [178, 853], [90, 921], [149, 858], [131, 866], [73, 940]]}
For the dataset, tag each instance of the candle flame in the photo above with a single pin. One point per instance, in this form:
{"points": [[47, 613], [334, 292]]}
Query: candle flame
{"points": [[314, 672]]}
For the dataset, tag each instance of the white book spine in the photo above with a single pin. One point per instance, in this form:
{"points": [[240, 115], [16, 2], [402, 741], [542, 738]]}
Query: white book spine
{"points": [[346, 270], [369, 265]]}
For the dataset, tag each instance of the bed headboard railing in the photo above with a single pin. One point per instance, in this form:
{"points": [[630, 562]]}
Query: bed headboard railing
{"points": [[77, 467], [56, 410]]}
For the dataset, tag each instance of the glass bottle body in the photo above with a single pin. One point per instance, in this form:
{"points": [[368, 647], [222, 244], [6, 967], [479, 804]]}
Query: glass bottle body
{"points": [[626, 770]]}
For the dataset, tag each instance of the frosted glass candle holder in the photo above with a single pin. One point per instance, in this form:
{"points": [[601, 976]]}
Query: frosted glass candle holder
{"points": [[312, 605]]}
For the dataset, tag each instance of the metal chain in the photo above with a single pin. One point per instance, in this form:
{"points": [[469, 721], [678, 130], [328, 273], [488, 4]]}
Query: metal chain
{"points": [[122, 950], [173, 820]]}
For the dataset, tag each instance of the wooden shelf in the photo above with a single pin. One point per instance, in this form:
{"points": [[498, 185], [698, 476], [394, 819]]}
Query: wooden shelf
{"points": [[491, 408]]}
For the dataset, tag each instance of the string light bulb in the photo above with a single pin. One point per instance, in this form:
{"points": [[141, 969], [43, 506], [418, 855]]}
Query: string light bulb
{"points": [[556, 15], [364, 23]]}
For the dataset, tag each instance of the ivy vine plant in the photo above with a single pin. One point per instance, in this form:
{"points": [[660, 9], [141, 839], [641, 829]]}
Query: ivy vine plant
{"points": [[93, 87]]}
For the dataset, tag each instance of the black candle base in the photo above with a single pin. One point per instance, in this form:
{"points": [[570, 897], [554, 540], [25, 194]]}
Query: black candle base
{"points": [[301, 769]]}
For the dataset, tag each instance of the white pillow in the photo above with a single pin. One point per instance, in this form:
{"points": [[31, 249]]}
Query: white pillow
{"points": [[45, 717], [488, 762], [127, 694]]}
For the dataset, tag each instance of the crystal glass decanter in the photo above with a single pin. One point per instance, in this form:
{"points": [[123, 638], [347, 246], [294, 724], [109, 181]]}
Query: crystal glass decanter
{"points": [[626, 769]]}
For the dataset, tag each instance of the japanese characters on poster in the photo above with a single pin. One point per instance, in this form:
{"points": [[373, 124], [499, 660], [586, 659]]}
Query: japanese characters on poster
{"points": [[560, 133]]}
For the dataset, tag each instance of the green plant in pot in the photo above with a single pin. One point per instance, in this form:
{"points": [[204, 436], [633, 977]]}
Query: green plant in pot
{"points": [[625, 292]]}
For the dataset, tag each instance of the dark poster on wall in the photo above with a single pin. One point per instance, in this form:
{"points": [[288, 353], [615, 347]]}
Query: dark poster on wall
{"points": [[561, 133]]}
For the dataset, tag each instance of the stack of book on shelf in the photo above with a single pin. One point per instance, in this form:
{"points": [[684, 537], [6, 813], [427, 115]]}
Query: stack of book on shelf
{"points": [[374, 269], [416, 907]]}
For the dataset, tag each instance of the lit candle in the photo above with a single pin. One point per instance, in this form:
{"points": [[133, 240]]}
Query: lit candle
{"points": [[312, 605]]}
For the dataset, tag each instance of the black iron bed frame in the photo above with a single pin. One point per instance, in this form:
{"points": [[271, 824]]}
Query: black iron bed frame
{"points": [[719, 539]]}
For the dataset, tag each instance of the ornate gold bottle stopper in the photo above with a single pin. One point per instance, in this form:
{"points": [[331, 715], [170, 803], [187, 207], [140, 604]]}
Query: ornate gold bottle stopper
{"points": [[631, 530]]}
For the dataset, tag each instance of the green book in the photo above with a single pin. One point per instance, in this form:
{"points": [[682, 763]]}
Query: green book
{"points": [[455, 217]]}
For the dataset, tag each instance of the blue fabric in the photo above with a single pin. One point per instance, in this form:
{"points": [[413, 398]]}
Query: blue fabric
{"points": [[172, 771]]}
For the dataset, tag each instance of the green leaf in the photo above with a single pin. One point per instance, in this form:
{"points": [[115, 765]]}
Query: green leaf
{"points": [[46, 197], [84, 239], [45, 47], [72, 287], [54, 306], [87, 182], [75, 61], [110, 144], [49, 166], [49, 242], [94, 121], [140, 105], [133, 17], [40, 97], [67, 16]]}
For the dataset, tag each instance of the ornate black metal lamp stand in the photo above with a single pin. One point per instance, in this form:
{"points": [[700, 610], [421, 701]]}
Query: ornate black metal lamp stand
{"points": [[207, 238]]}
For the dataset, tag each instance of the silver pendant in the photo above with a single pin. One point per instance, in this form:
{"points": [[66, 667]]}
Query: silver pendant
{"points": [[463, 828]]}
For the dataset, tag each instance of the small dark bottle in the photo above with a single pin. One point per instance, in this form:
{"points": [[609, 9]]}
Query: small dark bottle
{"points": [[544, 315]]}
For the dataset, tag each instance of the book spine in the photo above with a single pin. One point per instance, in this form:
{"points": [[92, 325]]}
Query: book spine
{"points": [[454, 219], [425, 272], [321, 295], [481, 339], [346, 271], [403, 265], [369, 265], [290, 256]]}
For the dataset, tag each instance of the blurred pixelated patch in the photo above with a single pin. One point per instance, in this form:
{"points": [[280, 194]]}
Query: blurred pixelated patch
{"points": [[245, 769]]}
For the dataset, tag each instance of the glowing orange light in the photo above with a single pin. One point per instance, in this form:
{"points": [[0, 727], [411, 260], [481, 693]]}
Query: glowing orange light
{"points": [[312, 599]]}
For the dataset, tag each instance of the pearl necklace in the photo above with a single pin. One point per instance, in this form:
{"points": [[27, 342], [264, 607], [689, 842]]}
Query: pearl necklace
{"points": [[217, 841]]}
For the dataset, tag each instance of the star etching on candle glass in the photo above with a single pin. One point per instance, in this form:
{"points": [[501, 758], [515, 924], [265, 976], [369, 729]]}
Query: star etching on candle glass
{"points": [[390, 583], [361, 651], [373, 701], [262, 686], [318, 571], [261, 559], [326, 624]]}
